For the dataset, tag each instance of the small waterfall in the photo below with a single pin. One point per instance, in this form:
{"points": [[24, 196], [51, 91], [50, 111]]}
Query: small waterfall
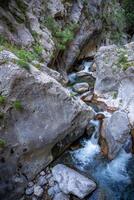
{"points": [[87, 66], [91, 147], [72, 77]]}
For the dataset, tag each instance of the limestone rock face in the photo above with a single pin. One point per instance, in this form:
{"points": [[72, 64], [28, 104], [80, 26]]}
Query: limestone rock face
{"points": [[115, 74], [71, 182], [37, 112]]}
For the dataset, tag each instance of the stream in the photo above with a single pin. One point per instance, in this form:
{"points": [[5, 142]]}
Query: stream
{"points": [[115, 179]]}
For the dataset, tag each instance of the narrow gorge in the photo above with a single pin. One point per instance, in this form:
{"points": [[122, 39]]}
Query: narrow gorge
{"points": [[66, 100]]}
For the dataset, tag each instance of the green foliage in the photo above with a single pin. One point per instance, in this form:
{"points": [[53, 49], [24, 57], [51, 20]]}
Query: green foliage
{"points": [[38, 65], [2, 100], [114, 95], [23, 54], [62, 37], [72, 94], [128, 6], [17, 105], [2, 143], [51, 24], [38, 49], [123, 62], [23, 64], [113, 19]]}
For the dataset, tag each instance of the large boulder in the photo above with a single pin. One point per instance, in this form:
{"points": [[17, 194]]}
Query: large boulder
{"points": [[115, 74], [36, 112], [71, 182], [115, 132], [81, 87]]}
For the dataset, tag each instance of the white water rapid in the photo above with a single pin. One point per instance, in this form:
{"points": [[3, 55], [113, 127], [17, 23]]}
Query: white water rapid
{"points": [[91, 147]]}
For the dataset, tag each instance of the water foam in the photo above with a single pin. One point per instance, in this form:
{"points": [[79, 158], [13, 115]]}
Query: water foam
{"points": [[117, 168], [90, 147]]}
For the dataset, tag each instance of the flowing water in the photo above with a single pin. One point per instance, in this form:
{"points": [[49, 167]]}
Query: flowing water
{"points": [[115, 179]]}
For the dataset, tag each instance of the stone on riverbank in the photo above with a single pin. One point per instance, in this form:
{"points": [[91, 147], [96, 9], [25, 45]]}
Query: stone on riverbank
{"points": [[71, 182]]}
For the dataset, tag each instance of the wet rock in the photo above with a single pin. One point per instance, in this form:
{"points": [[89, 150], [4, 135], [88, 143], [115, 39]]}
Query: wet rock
{"points": [[115, 131], [128, 145], [51, 192], [81, 87], [84, 76], [87, 96], [38, 191], [30, 184], [48, 176], [61, 196], [42, 173], [56, 188], [29, 191], [42, 181], [51, 182], [71, 182], [100, 116]]}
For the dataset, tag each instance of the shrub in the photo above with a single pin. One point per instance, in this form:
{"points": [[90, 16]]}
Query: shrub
{"points": [[24, 55], [17, 105], [128, 6], [62, 37], [23, 64], [123, 62], [2, 99], [113, 19], [2, 143], [38, 49], [21, 53]]}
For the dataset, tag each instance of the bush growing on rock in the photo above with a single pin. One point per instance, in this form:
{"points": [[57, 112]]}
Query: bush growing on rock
{"points": [[2, 99], [23, 54], [128, 6], [17, 105], [62, 36], [23, 64], [2, 143]]}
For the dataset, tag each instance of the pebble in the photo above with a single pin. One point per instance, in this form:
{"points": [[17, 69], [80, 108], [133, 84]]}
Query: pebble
{"points": [[56, 189], [51, 182], [29, 191], [61, 196], [38, 191], [51, 192], [30, 184], [42, 173], [42, 181], [48, 176]]}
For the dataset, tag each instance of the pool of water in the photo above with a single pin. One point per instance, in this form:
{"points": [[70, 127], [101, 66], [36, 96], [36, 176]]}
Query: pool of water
{"points": [[115, 179]]}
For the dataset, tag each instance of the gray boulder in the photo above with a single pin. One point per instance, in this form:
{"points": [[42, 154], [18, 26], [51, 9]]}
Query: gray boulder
{"points": [[38, 113], [81, 87], [71, 182], [116, 132], [115, 78]]}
